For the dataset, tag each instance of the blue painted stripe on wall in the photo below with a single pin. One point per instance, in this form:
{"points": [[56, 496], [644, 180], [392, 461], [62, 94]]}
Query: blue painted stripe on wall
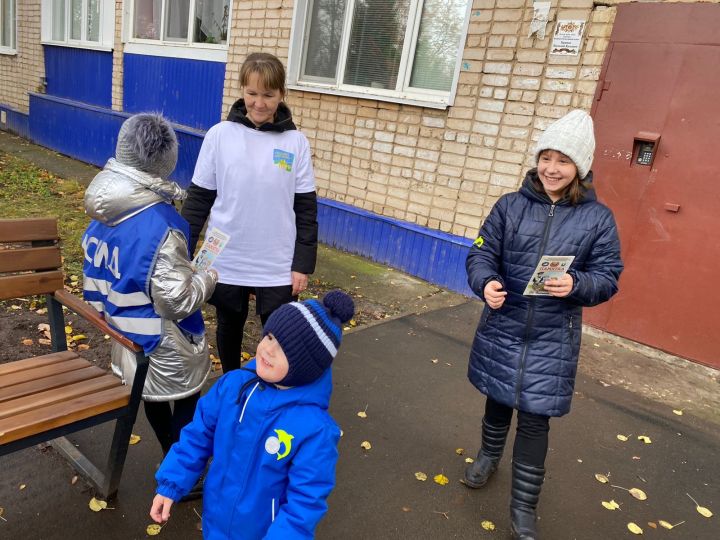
{"points": [[79, 74], [188, 92], [89, 133], [15, 121], [431, 255]]}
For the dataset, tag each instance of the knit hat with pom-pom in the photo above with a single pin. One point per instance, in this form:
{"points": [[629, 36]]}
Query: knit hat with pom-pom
{"points": [[310, 333], [147, 142]]}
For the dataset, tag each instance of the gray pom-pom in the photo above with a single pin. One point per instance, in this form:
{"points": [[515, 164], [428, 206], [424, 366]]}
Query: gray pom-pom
{"points": [[340, 305]]}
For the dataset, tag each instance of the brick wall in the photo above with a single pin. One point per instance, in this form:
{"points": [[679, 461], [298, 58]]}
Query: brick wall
{"points": [[117, 80], [442, 169], [21, 73]]}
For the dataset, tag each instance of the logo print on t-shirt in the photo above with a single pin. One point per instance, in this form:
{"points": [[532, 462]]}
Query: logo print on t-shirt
{"points": [[283, 159]]}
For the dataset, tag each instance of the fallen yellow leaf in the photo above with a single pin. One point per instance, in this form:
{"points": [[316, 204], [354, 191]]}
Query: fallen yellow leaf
{"points": [[153, 530], [622, 438], [79, 337], [366, 445], [22, 486], [68, 330], [459, 451], [27, 341], [362, 414], [421, 476], [652, 524], [43, 341], [704, 511], [633, 528], [469, 460], [644, 438], [74, 480], [611, 505], [96, 505], [134, 439], [83, 347], [434, 360], [487, 525], [246, 356], [601, 478], [353, 322], [639, 494], [678, 412], [441, 479]]}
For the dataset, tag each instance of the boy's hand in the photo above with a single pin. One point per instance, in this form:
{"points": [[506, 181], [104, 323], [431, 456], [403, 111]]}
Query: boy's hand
{"points": [[160, 510], [559, 287], [494, 295]]}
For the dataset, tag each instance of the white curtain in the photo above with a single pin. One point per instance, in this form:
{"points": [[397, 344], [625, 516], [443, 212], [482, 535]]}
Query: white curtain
{"points": [[58, 20], [7, 28], [146, 24], [75, 19], [176, 20], [93, 20], [211, 19]]}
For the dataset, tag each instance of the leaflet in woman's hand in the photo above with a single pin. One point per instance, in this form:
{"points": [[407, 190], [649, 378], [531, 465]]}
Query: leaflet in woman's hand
{"points": [[549, 267], [215, 241]]}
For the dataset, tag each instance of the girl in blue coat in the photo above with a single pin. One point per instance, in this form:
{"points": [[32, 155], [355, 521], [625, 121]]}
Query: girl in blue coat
{"points": [[525, 353], [273, 442]]}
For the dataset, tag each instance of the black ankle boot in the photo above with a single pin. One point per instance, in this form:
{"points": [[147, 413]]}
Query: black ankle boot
{"points": [[526, 483], [479, 471]]}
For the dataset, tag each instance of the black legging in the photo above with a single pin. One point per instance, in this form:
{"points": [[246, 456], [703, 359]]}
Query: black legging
{"points": [[167, 422], [231, 306], [531, 438]]}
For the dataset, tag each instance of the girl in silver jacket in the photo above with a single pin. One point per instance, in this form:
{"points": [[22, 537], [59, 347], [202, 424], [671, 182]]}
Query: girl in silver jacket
{"points": [[135, 180]]}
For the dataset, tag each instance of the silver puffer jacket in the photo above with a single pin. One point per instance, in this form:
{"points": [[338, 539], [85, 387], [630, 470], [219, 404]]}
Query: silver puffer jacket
{"points": [[178, 367]]}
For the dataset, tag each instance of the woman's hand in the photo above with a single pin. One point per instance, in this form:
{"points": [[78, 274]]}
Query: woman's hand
{"points": [[559, 287], [299, 282], [494, 295], [160, 510]]}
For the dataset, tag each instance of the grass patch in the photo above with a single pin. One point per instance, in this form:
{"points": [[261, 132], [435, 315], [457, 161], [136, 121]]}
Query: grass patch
{"points": [[28, 191]]}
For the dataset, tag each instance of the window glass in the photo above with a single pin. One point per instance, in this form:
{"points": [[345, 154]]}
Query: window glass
{"points": [[436, 51], [93, 20], [376, 43], [176, 20], [324, 38], [7, 24], [76, 19], [211, 21], [58, 20], [147, 19]]}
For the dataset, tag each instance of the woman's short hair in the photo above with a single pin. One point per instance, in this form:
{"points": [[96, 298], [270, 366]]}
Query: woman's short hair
{"points": [[269, 69]]}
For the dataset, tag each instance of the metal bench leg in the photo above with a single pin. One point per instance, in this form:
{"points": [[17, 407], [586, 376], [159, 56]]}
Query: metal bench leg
{"points": [[123, 430]]}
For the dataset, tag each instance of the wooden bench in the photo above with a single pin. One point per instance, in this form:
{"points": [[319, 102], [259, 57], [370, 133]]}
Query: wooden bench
{"points": [[47, 397]]}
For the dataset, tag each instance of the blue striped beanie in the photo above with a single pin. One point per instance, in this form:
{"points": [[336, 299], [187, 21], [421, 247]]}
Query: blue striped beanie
{"points": [[310, 333]]}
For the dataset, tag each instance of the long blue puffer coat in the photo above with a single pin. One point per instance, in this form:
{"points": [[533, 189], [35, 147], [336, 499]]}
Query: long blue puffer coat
{"points": [[525, 353]]}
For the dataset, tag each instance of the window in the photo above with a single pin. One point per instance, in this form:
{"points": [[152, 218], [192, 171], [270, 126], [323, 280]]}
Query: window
{"points": [[396, 50], [199, 24], [79, 23], [7, 26]]}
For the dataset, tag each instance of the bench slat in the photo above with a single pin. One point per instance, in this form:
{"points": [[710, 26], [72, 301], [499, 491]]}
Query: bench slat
{"points": [[36, 362], [28, 229], [30, 284], [57, 395], [61, 414], [48, 383], [19, 260], [44, 371]]}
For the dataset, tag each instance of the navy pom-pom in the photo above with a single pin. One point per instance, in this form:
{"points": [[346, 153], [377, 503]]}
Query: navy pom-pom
{"points": [[340, 305]]}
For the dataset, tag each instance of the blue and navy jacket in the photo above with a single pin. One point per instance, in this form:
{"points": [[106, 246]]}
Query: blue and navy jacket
{"points": [[274, 454], [118, 264], [525, 353]]}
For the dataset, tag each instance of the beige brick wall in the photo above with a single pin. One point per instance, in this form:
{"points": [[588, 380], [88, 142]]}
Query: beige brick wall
{"points": [[21, 73], [442, 169], [117, 74]]}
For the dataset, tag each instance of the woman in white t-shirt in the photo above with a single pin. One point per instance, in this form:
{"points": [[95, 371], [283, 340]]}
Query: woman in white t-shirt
{"points": [[254, 179]]}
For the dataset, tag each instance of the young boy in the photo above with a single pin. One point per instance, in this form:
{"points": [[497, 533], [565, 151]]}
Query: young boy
{"points": [[272, 440]]}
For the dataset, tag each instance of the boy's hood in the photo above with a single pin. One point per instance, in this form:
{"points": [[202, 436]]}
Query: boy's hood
{"points": [[316, 393]]}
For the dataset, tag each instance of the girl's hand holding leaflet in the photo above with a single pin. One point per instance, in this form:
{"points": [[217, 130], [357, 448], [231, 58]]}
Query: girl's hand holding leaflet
{"points": [[160, 510], [559, 287], [494, 295]]}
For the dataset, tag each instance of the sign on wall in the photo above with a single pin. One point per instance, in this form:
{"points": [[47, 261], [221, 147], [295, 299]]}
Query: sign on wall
{"points": [[567, 38]]}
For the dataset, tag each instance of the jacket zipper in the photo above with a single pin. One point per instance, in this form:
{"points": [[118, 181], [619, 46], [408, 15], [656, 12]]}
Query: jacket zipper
{"points": [[531, 311]]}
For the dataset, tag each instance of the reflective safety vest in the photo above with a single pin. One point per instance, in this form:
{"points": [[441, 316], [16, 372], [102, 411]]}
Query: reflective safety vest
{"points": [[118, 264]]}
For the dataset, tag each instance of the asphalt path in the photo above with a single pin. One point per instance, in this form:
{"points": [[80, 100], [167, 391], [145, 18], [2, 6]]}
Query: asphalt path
{"points": [[409, 376]]}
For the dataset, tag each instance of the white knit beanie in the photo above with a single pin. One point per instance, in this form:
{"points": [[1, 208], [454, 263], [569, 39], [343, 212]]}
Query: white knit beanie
{"points": [[573, 136]]}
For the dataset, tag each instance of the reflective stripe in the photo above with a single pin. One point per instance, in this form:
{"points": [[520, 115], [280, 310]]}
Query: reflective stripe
{"points": [[136, 325], [246, 401], [273, 509], [117, 298], [310, 318]]}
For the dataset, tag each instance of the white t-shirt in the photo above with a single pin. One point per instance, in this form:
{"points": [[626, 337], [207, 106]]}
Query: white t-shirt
{"points": [[256, 175]]}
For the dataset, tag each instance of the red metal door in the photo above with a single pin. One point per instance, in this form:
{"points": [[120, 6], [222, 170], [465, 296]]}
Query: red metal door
{"points": [[661, 76]]}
